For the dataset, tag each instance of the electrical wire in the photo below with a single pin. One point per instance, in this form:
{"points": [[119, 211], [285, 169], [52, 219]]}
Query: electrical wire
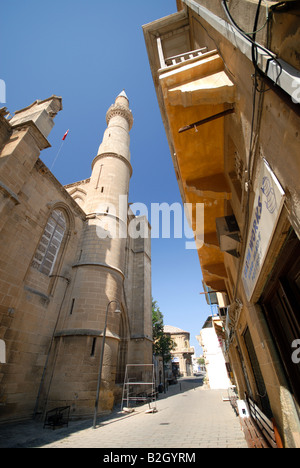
{"points": [[255, 45], [216, 45], [264, 25], [254, 133]]}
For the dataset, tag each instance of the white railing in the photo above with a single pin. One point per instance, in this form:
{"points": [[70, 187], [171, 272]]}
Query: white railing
{"points": [[187, 350], [184, 57], [177, 60]]}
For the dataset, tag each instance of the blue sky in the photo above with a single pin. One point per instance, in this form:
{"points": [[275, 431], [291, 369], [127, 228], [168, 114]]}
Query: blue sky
{"points": [[87, 52]]}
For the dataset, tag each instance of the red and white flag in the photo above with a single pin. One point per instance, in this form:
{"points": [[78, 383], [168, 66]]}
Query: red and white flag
{"points": [[64, 137]]}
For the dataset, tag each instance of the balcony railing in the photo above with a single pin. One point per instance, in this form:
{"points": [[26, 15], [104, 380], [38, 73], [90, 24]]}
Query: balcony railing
{"points": [[178, 60], [187, 350]]}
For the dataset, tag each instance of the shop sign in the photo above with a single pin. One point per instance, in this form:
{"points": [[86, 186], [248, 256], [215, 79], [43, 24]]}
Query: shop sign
{"points": [[268, 203]]}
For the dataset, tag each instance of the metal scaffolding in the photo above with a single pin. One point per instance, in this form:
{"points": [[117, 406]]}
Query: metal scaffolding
{"points": [[139, 385]]}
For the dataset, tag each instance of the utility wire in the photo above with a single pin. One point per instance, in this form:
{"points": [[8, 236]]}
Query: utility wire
{"points": [[254, 128], [255, 44]]}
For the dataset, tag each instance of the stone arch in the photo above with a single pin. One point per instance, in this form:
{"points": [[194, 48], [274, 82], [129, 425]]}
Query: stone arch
{"points": [[77, 189], [79, 200], [60, 205], [79, 195]]}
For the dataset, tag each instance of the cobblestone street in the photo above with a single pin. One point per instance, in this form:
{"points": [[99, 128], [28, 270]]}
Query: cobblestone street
{"points": [[188, 416]]}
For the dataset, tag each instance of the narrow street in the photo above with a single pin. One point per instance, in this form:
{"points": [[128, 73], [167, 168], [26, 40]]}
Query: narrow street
{"points": [[188, 416]]}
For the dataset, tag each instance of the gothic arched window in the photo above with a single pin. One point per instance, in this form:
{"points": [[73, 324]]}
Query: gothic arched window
{"points": [[48, 248]]}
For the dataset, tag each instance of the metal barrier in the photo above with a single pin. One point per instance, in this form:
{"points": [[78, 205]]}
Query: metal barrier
{"points": [[57, 417]]}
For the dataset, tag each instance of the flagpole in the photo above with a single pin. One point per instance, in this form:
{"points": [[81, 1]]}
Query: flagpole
{"points": [[63, 139], [56, 156]]}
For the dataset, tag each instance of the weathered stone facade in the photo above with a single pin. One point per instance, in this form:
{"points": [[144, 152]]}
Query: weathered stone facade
{"points": [[63, 260], [227, 81]]}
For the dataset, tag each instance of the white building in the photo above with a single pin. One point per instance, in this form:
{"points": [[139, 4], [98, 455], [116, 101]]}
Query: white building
{"points": [[214, 359]]}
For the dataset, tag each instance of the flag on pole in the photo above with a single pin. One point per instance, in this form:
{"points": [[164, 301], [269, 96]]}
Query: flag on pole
{"points": [[64, 137]]}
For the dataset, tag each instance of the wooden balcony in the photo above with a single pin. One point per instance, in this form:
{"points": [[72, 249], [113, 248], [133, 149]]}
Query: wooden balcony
{"points": [[196, 96], [196, 90]]}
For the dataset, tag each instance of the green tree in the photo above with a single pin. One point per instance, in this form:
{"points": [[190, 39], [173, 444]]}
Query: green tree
{"points": [[201, 361], [157, 326], [162, 342]]}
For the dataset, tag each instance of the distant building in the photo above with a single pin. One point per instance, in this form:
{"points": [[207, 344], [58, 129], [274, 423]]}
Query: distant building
{"points": [[198, 366], [182, 354], [63, 267]]}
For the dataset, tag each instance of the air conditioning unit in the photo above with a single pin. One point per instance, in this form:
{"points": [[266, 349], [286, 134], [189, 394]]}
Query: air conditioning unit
{"points": [[222, 299], [228, 234]]}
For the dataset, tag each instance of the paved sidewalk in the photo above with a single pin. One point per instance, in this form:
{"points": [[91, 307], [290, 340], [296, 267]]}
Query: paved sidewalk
{"points": [[188, 416]]}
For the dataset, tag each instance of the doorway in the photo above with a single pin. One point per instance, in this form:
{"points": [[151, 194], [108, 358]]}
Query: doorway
{"points": [[281, 305]]}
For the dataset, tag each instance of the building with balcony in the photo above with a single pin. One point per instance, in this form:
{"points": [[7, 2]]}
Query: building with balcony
{"points": [[227, 79]]}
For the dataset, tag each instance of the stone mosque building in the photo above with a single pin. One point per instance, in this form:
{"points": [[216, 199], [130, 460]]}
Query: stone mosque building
{"points": [[66, 263]]}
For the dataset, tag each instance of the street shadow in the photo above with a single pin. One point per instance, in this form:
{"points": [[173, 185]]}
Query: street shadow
{"points": [[32, 434], [185, 384]]}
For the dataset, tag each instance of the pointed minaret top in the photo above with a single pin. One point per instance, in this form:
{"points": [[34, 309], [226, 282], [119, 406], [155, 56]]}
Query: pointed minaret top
{"points": [[120, 108], [123, 94], [122, 99]]}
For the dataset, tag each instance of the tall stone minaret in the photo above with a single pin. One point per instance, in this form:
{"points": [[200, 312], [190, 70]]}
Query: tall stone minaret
{"points": [[111, 169], [107, 201], [98, 276]]}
